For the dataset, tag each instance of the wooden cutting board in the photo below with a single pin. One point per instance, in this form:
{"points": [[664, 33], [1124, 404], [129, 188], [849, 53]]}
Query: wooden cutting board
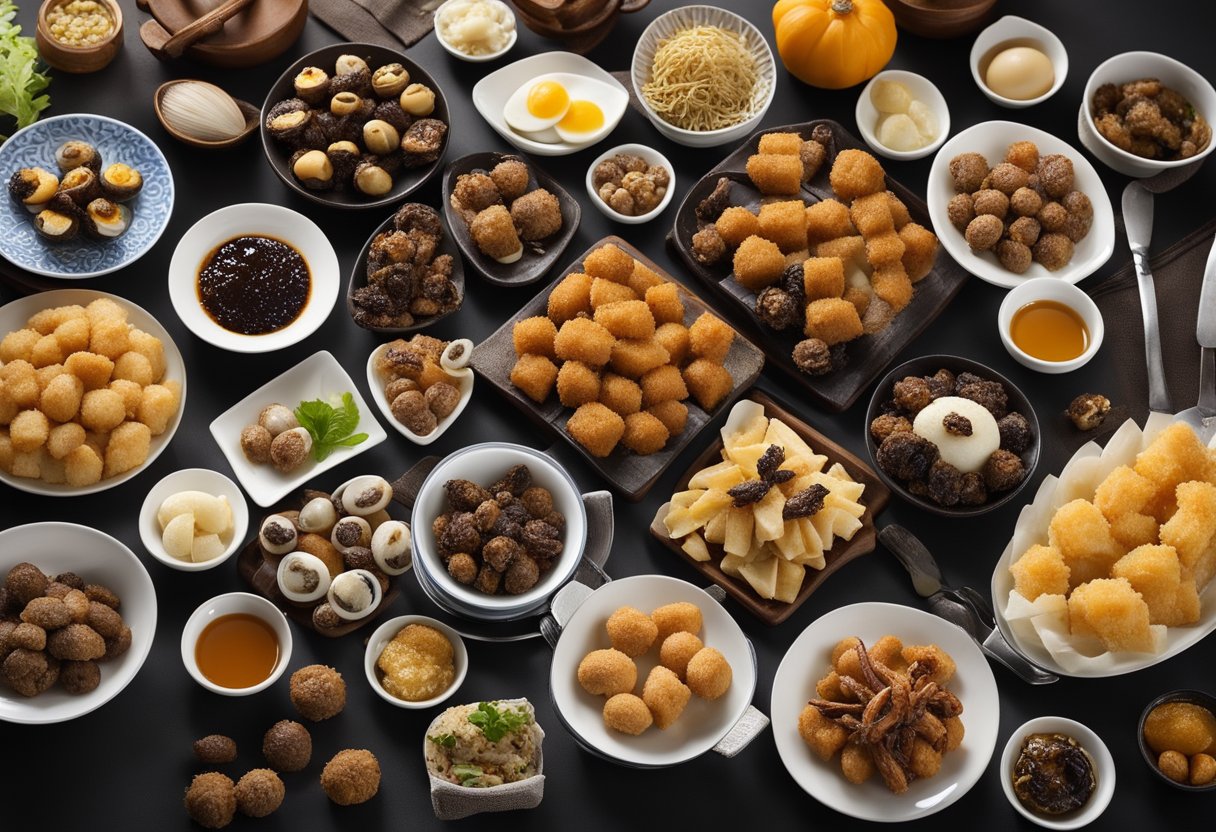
{"points": [[259, 33]]}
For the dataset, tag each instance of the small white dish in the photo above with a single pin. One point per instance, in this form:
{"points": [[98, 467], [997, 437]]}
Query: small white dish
{"points": [[97, 558], [652, 157], [385, 633], [1103, 763], [1010, 31], [992, 139], [686, 17], [489, 56], [319, 376], [920, 89], [492, 91], [1130, 66], [234, 603], [253, 219], [1050, 288], [456, 367], [193, 479]]}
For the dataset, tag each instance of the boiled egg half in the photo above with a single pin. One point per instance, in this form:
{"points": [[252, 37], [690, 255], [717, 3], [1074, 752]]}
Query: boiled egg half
{"points": [[563, 107]]}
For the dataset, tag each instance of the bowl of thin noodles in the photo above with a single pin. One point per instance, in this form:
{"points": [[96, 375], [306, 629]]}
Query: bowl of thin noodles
{"points": [[704, 76]]}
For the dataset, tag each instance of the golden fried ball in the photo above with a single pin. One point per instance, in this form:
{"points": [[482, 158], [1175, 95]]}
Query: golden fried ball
{"points": [[211, 800], [709, 673], [631, 631], [644, 433], [607, 672], [627, 713], [318, 692], [676, 651], [681, 616], [596, 428], [822, 735], [127, 449], [534, 335], [665, 695], [673, 414], [351, 776]]}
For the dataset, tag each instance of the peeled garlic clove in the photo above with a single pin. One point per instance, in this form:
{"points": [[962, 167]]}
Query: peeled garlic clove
{"points": [[366, 495], [890, 97], [178, 536], [206, 547], [898, 132], [392, 548], [318, 515], [925, 119]]}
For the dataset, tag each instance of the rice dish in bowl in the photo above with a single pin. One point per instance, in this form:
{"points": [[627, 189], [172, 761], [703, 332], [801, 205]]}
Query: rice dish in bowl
{"points": [[485, 744]]}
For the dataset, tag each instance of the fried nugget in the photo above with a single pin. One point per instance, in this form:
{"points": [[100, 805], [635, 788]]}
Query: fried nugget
{"points": [[534, 335], [1040, 570], [1111, 610], [784, 223], [157, 407], [679, 616], [939, 663], [677, 650], [1134, 529], [596, 428], [631, 631], [758, 263], [581, 339], [736, 224], [708, 382], [609, 262], [709, 673], [577, 384], [823, 277], [569, 298], [871, 214], [1175, 456], [856, 173], [634, 358], [782, 144], [93, 370], [665, 304], [534, 375], [1190, 531], [673, 414], [891, 283], [824, 736], [900, 215], [620, 395], [710, 337], [627, 713], [884, 249], [674, 338], [849, 249], [663, 384], [604, 292], [644, 434], [626, 319], [494, 233], [920, 250], [1156, 573], [665, 695], [607, 672], [1082, 536], [775, 174], [832, 320], [537, 214], [643, 278], [856, 763], [827, 220]]}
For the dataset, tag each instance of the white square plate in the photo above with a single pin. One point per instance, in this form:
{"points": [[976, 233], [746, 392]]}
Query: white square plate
{"points": [[319, 376]]}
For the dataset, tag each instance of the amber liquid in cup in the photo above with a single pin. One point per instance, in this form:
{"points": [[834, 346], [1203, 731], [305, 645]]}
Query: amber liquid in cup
{"points": [[237, 651], [1049, 331]]}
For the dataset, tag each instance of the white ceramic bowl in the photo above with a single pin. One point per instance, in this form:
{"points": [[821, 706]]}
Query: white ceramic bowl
{"points": [[14, 315], [484, 463], [193, 479], [477, 59], [462, 375], [230, 604], [652, 157], [921, 89], [666, 25], [1012, 30], [97, 558], [385, 633], [1104, 769], [992, 139], [257, 219], [1049, 288], [1129, 66]]}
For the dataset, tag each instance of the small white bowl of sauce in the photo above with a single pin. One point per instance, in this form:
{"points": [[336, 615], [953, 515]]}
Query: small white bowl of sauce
{"points": [[1050, 326], [236, 644], [1018, 63], [1050, 731]]}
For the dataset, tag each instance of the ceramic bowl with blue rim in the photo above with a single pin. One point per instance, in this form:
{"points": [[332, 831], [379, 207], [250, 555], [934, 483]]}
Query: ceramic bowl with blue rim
{"points": [[82, 257]]}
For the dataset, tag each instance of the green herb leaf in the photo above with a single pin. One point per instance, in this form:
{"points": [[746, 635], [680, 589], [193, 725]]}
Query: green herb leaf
{"points": [[330, 427], [496, 724], [443, 740], [20, 80], [466, 772]]}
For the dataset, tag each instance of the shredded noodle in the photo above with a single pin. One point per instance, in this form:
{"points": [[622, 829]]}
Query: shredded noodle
{"points": [[702, 79]]}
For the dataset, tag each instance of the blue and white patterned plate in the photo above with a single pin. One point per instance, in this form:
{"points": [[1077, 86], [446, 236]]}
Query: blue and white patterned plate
{"points": [[35, 146]]}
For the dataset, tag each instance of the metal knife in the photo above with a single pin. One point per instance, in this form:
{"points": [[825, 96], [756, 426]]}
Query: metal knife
{"points": [[965, 608], [1138, 220]]}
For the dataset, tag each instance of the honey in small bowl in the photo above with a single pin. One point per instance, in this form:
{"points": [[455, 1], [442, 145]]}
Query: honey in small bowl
{"points": [[237, 651], [1049, 331]]}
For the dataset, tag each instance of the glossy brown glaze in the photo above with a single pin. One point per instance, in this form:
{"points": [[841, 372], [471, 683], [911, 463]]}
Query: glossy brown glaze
{"points": [[254, 285]]}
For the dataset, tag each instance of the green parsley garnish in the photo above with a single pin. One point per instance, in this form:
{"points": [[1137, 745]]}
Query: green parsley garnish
{"points": [[20, 79], [496, 724], [331, 426], [443, 740]]}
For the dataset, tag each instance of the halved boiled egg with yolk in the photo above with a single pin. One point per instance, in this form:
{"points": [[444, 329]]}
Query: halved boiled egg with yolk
{"points": [[563, 107]]}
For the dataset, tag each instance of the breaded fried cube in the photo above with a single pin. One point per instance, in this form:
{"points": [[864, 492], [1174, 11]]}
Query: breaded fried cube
{"points": [[133, 366], [1132, 529], [665, 695], [494, 233], [674, 338], [1083, 537], [609, 262], [884, 249], [1040, 570], [46, 351], [774, 174], [643, 278], [60, 400], [783, 144], [149, 346], [822, 735], [534, 335], [73, 336], [644, 434], [582, 339], [1156, 573], [851, 248], [27, 464], [871, 214], [1123, 491], [110, 337], [102, 410], [758, 263], [633, 359], [823, 277], [596, 428], [941, 665], [1191, 529], [1111, 610], [18, 344], [157, 409], [673, 414], [860, 298], [604, 292], [920, 250], [665, 304], [577, 384], [626, 319], [829, 688], [620, 395], [1175, 456], [104, 309], [535, 375], [856, 763], [708, 382], [20, 382], [784, 223], [856, 173], [28, 431], [127, 449], [663, 384], [736, 224], [887, 652], [570, 297], [631, 631], [954, 732], [63, 439], [1186, 604], [832, 320], [899, 212], [827, 220], [92, 369], [891, 283], [710, 337]]}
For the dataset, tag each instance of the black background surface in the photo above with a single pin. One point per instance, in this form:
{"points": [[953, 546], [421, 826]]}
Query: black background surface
{"points": [[126, 765]]}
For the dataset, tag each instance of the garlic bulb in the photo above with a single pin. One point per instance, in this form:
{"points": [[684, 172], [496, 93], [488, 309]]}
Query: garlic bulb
{"points": [[202, 111]]}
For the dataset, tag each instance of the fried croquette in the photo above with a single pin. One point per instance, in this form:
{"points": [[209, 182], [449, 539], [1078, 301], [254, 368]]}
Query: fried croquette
{"points": [[537, 215], [681, 616], [1024, 154], [29, 672], [775, 174], [871, 214], [634, 358], [60, 399], [938, 662], [127, 448], [582, 339], [1040, 570], [673, 414], [856, 173], [510, 177], [493, 231], [677, 650], [708, 382], [822, 735], [605, 291], [644, 434], [784, 223], [665, 304], [832, 320], [1053, 251], [215, 749], [710, 337], [287, 746], [673, 337], [920, 250], [29, 430], [351, 776], [758, 263], [259, 792], [822, 277], [784, 144], [631, 631], [1191, 529], [534, 335], [24, 583], [709, 673], [736, 224], [577, 384], [665, 695], [76, 642], [211, 800], [47, 613], [609, 262], [891, 283], [663, 384], [620, 395], [643, 278], [900, 216], [627, 713], [569, 298], [626, 319], [318, 692], [1111, 610], [1156, 573], [79, 678], [967, 172], [983, 232], [607, 672], [828, 220], [597, 428]]}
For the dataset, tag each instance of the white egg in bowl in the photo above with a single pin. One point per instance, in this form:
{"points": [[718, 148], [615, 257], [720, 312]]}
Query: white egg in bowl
{"points": [[564, 107]]}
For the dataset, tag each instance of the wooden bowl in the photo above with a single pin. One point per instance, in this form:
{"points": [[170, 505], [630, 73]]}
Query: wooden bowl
{"points": [[580, 26], [252, 119], [940, 18], [256, 35], [77, 59]]}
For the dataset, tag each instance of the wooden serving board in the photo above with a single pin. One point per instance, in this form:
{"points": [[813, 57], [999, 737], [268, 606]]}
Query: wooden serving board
{"points": [[257, 34], [868, 355], [631, 474], [874, 498]]}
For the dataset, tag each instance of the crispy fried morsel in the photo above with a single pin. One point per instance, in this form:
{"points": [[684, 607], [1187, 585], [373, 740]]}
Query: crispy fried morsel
{"points": [[665, 695], [211, 800], [214, 749], [856, 173], [317, 692], [596, 428], [607, 672], [77, 642], [627, 713], [906, 456], [631, 631], [352, 776], [259, 792], [79, 678], [47, 613]]}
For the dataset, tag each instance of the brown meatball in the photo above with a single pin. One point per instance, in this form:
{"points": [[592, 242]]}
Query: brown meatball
{"points": [[983, 232], [24, 583], [77, 642], [463, 567], [1025, 202], [214, 749], [967, 171], [708, 247], [813, 357], [1007, 178], [990, 201], [47, 613], [1014, 255], [912, 394], [960, 210], [1024, 230], [352, 776], [475, 191], [211, 800], [510, 176], [1056, 174], [521, 576], [887, 424], [537, 214], [259, 792], [1052, 216], [287, 746], [318, 692], [29, 672], [538, 501], [1053, 251]]}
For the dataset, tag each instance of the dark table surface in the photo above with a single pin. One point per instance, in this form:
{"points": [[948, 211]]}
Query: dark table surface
{"points": [[126, 765]]}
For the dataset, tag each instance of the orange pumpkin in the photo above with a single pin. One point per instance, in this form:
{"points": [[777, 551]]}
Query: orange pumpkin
{"points": [[834, 43]]}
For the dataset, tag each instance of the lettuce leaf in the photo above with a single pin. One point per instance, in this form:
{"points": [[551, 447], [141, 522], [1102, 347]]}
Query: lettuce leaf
{"points": [[20, 78]]}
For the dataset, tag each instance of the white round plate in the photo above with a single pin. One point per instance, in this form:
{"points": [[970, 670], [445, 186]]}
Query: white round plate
{"points": [[703, 723], [809, 659], [15, 314], [97, 558]]}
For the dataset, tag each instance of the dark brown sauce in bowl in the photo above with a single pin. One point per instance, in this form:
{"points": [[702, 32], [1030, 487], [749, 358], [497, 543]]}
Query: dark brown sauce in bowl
{"points": [[253, 284]]}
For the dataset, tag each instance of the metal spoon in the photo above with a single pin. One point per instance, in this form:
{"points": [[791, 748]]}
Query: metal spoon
{"points": [[1138, 221]]}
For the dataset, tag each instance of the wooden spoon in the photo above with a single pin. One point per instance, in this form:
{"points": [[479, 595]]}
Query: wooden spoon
{"points": [[164, 45]]}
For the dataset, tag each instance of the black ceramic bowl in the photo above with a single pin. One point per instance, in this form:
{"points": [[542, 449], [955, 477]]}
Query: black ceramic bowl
{"points": [[927, 365], [405, 181], [1195, 697]]}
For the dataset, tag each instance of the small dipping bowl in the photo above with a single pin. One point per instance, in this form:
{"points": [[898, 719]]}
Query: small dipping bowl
{"points": [[1051, 289], [1103, 763], [231, 604], [192, 479], [489, 56], [920, 89], [1008, 32], [78, 59], [652, 157], [385, 633], [1195, 697]]}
